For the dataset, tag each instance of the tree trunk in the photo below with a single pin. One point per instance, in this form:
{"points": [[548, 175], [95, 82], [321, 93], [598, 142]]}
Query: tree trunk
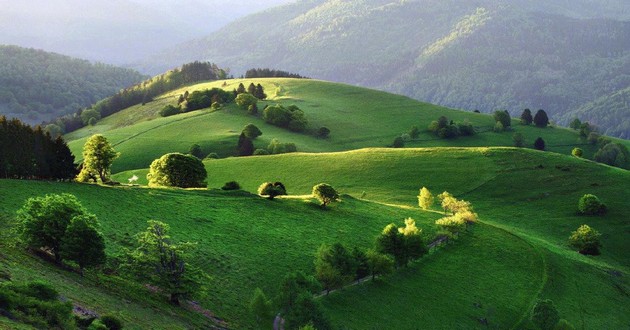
{"points": [[174, 299]]}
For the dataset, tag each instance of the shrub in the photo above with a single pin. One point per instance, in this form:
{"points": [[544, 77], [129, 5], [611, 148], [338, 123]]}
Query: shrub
{"points": [[271, 190], [276, 147], [399, 142], [577, 152], [323, 132], [245, 100], [212, 155], [585, 240], [591, 205], [325, 193], [111, 322], [466, 128], [498, 127], [169, 110], [177, 170], [518, 140], [261, 152], [232, 185], [414, 132], [448, 132], [196, 151]]}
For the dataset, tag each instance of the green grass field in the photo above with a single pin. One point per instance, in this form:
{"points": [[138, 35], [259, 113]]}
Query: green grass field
{"points": [[357, 118]]}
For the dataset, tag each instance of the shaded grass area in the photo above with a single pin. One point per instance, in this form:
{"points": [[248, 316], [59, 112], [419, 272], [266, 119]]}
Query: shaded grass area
{"points": [[357, 118], [456, 288]]}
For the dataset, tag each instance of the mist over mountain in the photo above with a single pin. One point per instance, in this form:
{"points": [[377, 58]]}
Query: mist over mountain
{"points": [[484, 54], [115, 31]]}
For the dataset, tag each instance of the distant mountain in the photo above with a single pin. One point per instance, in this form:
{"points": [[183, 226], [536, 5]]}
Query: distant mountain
{"points": [[482, 54], [116, 31], [37, 85], [610, 112]]}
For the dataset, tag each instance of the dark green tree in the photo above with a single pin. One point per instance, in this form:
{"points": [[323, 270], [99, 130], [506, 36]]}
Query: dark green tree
{"points": [[43, 221], [251, 131], [541, 119], [260, 92], [162, 262], [526, 117], [177, 170], [518, 140], [323, 132], [82, 243], [245, 146], [591, 205], [241, 89], [414, 132], [325, 193], [292, 286], [260, 306], [196, 151], [379, 263], [362, 263], [539, 144], [306, 311], [251, 89], [575, 124], [613, 154], [503, 117], [399, 142], [271, 190]]}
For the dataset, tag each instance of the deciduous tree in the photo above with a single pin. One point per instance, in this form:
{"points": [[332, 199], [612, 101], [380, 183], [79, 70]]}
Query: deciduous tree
{"points": [[425, 198], [98, 156], [82, 243], [325, 193], [177, 170]]}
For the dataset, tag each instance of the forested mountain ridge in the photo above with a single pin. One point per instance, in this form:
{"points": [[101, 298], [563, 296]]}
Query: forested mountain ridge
{"points": [[36, 85], [484, 55]]}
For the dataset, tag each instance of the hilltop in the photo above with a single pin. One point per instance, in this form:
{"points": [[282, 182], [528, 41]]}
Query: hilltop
{"points": [[483, 55], [357, 118], [37, 86]]}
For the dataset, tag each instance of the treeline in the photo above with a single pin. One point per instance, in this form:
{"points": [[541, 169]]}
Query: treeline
{"points": [[271, 73], [27, 153], [37, 85], [139, 94]]}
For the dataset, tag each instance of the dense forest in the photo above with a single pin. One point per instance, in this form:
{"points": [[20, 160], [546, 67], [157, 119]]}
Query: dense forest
{"points": [[37, 85], [486, 55]]}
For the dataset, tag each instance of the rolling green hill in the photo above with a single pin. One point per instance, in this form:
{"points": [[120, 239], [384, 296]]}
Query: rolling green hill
{"points": [[486, 55], [357, 118], [526, 201], [37, 86]]}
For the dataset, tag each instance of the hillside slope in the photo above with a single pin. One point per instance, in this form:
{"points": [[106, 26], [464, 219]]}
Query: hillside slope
{"points": [[482, 55], [36, 86], [357, 118]]}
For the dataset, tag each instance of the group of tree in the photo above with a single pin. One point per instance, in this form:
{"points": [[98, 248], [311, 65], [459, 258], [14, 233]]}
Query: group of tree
{"points": [[245, 146], [31, 153], [446, 129], [140, 94], [503, 121], [270, 73], [60, 225], [404, 244], [257, 91], [297, 305], [290, 117], [214, 97], [540, 119]]}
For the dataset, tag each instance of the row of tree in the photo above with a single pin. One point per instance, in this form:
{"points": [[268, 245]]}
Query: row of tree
{"points": [[31, 153], [139, 94], [270, 73]]}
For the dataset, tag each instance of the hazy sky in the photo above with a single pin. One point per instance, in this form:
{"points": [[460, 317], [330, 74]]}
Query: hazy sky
{"points": [[116, 31]]}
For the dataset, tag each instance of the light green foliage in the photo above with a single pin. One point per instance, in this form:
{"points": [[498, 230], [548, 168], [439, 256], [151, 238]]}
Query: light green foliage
{"points": [[37, 304], [43, 221], [498, 127], [177, 170], [325, 193], [98, 156], [452, 224], [585, 240], [251, 131], [545, 315], [97, 325], [590, 204], [425, 198], [260, 307], [261, 152], [290, 117], [404, 244], [163, 263], [82, 243], [245, 100], [577, 152]]}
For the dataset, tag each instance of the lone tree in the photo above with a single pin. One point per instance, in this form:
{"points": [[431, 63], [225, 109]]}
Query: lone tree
{"points": [[177, 170], [272, 190], [539, 144], [82, 243], [586, 240], [591, 205], [244, 100], [526, 117], [163, 263], [251, 131], [541, 119], [98, 156], [43, 221], [325, 193], [425, 198], [545, 315]]}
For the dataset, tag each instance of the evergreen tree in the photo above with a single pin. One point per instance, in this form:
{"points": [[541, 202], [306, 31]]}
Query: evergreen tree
{"points": [[541, 119], [260, 92], [251, 89], [526, 117], [241, 89], [539, 144], [245, 146]]}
